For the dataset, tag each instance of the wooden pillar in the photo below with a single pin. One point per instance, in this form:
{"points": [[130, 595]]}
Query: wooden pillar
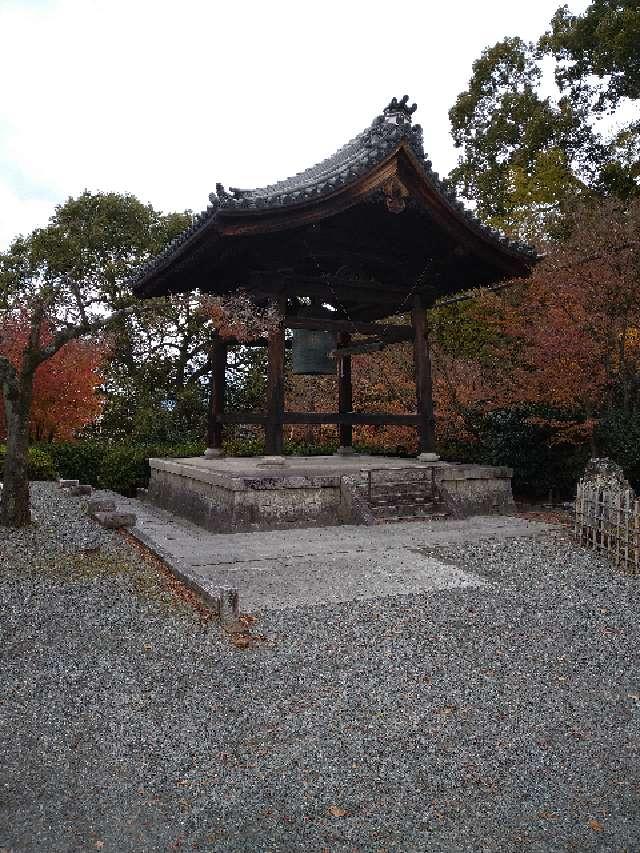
{"points": [[273, 445], [345, 392], [424, 389], [218, 362]]}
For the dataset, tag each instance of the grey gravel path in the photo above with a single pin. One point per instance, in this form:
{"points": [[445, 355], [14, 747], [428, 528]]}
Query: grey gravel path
{"points": [[497, 717]]}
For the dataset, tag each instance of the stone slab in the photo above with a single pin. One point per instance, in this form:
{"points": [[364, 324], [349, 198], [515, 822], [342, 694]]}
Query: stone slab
{"points": [[114, 520], [80, 491], [95, 506], [292, 568], [331, 578], [68, 484]]}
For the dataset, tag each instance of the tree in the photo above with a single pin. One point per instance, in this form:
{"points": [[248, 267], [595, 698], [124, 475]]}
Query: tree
{"points": [[153, 378], [65, 390], [598, 50], [565, 343], [578, 321], [68, 282], [155, 372], [55, 311], [523, 154], [527, 159]]}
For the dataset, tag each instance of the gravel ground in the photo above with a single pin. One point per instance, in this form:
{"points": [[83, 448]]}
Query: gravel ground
{"points": [[503, 717]]}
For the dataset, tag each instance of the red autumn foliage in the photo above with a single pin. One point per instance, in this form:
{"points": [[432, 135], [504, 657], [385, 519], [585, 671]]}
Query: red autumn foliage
{"points": [[567, 338], [65, 389]]}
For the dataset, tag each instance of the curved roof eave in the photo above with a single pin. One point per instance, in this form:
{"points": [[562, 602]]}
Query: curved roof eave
{"points": [[332, 177]]}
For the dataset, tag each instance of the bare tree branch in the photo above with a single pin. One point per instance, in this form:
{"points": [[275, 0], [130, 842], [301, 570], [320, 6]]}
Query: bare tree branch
{"points": [[72, 333]]}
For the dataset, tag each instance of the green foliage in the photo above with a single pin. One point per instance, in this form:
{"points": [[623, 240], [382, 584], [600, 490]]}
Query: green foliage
{"points": [[602, 42], [510, 437], [461, 329], [125, 467], [77, 460], [103, 236], [40, 463], [518, 147], [527, 157], [121, 467], [618, 437]]}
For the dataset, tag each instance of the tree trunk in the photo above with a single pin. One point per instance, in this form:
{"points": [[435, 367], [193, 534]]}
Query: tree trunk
{"points": [[14, 504]]}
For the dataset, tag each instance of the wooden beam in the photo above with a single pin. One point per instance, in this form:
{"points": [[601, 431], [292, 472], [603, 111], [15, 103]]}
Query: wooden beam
{"points": [[371, 418], [424, 390], [330, 324], [218, 365], [275, 387], [381, 295], [358, 349], [345, 390]]}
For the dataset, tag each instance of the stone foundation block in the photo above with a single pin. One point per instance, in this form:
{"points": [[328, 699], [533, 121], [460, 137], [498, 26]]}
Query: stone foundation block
{"points": [[68, 484], [80, 491], [113, 520], [100, 506]]}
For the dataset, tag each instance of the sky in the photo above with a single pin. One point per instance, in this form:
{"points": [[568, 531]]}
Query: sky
{"points": [[164, 98]]}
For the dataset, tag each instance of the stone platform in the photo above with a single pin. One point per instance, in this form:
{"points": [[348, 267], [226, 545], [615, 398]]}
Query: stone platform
{"points": [[240, 493]]}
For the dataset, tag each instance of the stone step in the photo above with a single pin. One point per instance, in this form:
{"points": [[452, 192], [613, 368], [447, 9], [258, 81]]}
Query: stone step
{"points": [[406, 504], [406, 511], [402, 499], [412, 486], [387, 496], [427, 516]]}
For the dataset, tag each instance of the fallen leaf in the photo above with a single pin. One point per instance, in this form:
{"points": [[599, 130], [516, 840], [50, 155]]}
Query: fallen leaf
{"points": [[147, 647], [241, 642], [336, 811], [99, 845], [595, 825], [547, 815]]}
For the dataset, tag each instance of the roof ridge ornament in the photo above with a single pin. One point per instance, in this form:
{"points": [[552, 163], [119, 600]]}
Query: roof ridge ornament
{"points": [[399, 111]]}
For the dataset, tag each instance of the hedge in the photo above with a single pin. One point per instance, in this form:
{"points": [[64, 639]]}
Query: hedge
{"points": [[40, 463]]}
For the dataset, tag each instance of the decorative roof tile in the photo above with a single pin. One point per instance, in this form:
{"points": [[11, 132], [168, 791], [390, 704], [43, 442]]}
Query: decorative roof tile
{"points": [[350, 161]]}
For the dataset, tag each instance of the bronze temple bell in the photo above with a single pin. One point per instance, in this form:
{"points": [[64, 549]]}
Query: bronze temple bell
{"points": [[310, 350]]}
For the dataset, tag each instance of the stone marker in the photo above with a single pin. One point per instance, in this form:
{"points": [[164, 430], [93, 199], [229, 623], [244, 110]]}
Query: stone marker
{"points": [[80, 491], [113, 520], [100, 506], [229, 608], [67, 484]]}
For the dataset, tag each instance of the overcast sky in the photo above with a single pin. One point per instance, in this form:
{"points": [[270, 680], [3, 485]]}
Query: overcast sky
{"points": [[163, 99]]}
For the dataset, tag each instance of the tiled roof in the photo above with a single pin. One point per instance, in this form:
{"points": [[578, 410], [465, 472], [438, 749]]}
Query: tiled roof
{"points": [[354, 159]]}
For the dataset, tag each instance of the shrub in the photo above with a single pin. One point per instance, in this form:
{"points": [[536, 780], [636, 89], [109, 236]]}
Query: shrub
{"points": [[125, 467], [40, 464], [78, 460], [618, 437]]}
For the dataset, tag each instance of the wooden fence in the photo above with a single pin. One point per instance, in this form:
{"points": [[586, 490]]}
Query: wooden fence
{"points": [[608, 520]]}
